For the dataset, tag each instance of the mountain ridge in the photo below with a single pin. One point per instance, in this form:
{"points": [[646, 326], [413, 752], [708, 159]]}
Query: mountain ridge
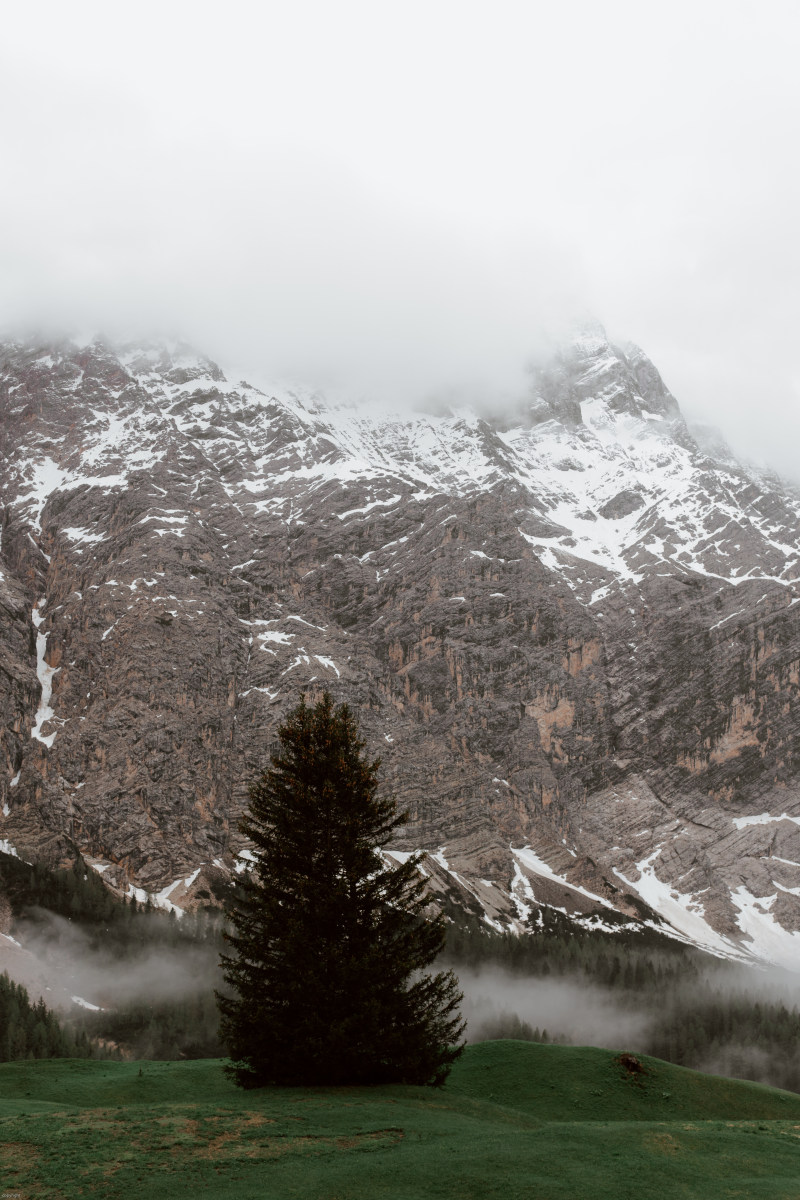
{"points": [[573, 634]]}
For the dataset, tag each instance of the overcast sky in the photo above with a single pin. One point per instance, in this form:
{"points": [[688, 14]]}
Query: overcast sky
{"points": [[407, 197]]}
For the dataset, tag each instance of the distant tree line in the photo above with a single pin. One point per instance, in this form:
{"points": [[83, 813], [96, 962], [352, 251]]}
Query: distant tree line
{"points": [[730, 1034], [78, 895], [121, 928], [701, 1016], [627, 960], [168, 1029], [32, 1031]]}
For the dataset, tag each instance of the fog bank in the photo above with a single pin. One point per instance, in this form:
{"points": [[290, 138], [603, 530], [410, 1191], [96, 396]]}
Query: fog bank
{"points": [[71, 963], [401, 206]]}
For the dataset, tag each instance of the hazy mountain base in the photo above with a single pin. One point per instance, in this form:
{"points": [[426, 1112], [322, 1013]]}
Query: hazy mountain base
{"points": [[154, 976], [32, 1030], [673, 1002], [151, 974], [660, 998], [572, 1122]]}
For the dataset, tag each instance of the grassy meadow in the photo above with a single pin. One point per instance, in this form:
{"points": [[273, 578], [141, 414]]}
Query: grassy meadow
{"points": [[515, 1119]]}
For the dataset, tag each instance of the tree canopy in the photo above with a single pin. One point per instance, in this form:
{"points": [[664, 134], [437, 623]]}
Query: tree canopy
{"points": [[330, 940]]}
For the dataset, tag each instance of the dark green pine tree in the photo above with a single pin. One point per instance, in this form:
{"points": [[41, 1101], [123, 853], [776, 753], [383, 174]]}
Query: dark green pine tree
{"points": [[330, 944]]}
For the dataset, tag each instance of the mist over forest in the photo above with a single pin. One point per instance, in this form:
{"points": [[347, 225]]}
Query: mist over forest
{"points": [[722, 1019], [153, 975]]}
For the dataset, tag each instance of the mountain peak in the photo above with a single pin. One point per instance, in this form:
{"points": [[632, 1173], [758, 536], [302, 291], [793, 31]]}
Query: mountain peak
{"points": [[589, 370]]}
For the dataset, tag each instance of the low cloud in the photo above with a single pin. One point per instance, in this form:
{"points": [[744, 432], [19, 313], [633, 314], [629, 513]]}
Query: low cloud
{"points": [[724, 1018], [71, 962], [574, 1010]]}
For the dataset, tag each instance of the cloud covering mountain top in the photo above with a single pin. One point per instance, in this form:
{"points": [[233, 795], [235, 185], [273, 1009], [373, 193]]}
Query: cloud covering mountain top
{"points": [[406, 203]]}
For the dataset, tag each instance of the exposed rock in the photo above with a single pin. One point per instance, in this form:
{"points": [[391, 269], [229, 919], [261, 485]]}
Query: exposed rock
{"points": [[575, 632], [622, 505]]}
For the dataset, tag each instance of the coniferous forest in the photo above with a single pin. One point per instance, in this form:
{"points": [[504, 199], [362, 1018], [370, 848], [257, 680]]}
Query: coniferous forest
{"points": [[32, 1031], [702, 1012]]}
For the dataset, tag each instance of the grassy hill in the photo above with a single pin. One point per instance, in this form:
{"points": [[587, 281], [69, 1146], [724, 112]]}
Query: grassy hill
{"points": [[516, 1119]]}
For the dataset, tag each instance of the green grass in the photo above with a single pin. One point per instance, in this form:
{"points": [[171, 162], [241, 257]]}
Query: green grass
{"points": [[516, 1120]]}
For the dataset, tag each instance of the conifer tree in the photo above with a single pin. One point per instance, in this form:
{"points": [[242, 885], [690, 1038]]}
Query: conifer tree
{"points": [[329, 942]]}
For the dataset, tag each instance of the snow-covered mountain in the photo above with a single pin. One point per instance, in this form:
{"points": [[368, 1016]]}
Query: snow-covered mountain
{"points": [[571, 631]]}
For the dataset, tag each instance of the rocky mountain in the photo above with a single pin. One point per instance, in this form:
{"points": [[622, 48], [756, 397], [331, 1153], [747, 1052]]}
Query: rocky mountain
{"points": [[571, 632]]}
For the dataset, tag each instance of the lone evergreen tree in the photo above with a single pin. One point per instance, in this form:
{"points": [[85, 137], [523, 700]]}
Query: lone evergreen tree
{"points": [[330, 943]]}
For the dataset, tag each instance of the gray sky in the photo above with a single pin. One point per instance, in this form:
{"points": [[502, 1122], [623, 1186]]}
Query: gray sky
{"points": [[406, 197]]}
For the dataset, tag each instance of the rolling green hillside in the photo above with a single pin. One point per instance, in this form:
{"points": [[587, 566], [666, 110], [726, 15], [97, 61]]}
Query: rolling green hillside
{"points": [[515, 1120]]}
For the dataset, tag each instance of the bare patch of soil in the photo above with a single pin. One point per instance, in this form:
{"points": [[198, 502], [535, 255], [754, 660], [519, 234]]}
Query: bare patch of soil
{"points": [[633, 1068]]}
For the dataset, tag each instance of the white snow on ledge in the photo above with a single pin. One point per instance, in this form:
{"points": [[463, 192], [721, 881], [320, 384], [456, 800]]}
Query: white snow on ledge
{"points": [[327, 662], [763, 819], [78, 534], [191, 878], [538, 866], [684, 913], [243, 858], [162, 898], [85, 1004], [770, 940], [159, 899]]}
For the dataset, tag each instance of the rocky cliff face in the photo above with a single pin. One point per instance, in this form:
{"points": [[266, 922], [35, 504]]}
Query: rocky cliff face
{"points": [[571, 634]]}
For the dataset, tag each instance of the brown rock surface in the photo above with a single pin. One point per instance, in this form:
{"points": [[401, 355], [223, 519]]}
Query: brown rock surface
{"points": [[573, 630]]}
